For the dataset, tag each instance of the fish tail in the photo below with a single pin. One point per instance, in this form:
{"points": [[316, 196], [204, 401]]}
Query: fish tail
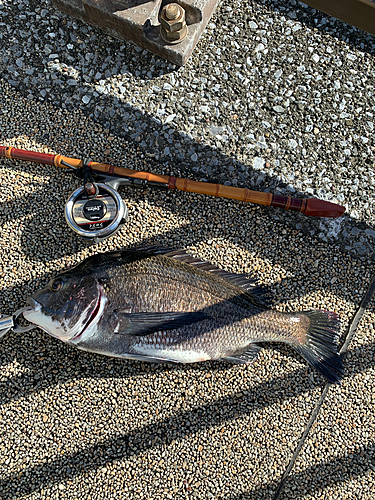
{"points": [[320, 346]]}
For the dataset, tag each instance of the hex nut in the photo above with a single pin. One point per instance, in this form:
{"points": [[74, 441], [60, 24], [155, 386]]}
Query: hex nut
{"points": [[172, 25], [173, 36]]}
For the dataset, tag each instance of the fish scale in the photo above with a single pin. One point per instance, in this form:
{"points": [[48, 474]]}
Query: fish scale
{"points": [[166, 306]]}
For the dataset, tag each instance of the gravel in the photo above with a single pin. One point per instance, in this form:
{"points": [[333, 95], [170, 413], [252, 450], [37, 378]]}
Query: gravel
{"points": [[276, 97]]}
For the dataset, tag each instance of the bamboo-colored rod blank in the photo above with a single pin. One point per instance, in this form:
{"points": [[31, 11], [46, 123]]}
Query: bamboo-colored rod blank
{"points": [[309, 206]]}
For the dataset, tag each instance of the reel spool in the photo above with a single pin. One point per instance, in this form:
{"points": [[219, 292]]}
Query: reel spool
{"points": [[98, 215]]}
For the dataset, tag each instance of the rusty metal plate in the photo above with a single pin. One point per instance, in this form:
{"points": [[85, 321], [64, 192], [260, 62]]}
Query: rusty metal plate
{"points": [[139, 22], [360, 13]]}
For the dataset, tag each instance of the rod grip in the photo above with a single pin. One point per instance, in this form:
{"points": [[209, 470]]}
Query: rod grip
{"points": [[20, 154], [322, 208]]}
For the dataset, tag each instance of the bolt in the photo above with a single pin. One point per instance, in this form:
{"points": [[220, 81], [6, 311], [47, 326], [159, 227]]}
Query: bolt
{"points": [[172, 11], [173, 27]]}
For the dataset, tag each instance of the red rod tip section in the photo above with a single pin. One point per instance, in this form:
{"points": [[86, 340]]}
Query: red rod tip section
{"points": [[321, 208]]}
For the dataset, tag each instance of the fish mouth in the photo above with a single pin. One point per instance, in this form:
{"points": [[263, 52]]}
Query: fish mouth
{"points": [[34, 303], [92, 318]]}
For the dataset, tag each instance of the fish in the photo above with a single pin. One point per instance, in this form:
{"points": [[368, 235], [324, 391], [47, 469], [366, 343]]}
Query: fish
{"points": [[166, 306]]}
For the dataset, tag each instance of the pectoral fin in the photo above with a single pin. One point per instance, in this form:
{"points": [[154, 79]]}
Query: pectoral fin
{"points": [[146, 323]]}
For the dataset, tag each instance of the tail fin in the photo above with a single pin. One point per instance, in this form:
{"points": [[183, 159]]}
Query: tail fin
{"points": [[320, 348]]}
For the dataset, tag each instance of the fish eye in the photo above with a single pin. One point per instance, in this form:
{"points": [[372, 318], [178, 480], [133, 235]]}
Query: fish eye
{"points": [[56, 285]]}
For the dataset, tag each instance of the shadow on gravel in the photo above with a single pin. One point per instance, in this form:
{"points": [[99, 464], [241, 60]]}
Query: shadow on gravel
{"points": [[327, 25], [146, 133], [164, 148], [148, 138], [327, 231], [181, 425], [317, 477]]}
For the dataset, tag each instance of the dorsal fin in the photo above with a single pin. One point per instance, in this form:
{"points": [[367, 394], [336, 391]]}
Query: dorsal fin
{"points": [[251, 285]]}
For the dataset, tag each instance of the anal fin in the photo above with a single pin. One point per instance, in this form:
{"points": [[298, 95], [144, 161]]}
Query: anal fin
{"points": [[245, 357]]}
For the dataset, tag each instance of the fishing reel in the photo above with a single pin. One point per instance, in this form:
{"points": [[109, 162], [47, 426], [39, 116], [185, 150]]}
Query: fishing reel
{"points": [[95, 216], [96, 211]]}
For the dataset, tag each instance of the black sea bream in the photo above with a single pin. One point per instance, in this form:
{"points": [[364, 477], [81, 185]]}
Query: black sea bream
{"points": [[167, 306]]}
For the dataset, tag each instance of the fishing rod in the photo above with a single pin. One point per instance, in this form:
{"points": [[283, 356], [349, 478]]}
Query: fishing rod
{"points": [[96, 210]]}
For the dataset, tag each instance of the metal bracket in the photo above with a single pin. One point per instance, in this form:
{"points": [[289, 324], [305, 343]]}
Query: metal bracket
{"points": [[6, 324], [10, 323], [140, 22]]}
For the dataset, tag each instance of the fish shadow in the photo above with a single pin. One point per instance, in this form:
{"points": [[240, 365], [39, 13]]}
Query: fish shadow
{"points": [[41, 355]]}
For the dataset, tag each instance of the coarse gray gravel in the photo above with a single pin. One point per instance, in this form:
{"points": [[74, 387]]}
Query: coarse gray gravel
{"points": [[276, 96]]}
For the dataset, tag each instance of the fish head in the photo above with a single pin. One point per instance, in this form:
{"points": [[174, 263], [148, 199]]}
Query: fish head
{"points": [[68, 306]]}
